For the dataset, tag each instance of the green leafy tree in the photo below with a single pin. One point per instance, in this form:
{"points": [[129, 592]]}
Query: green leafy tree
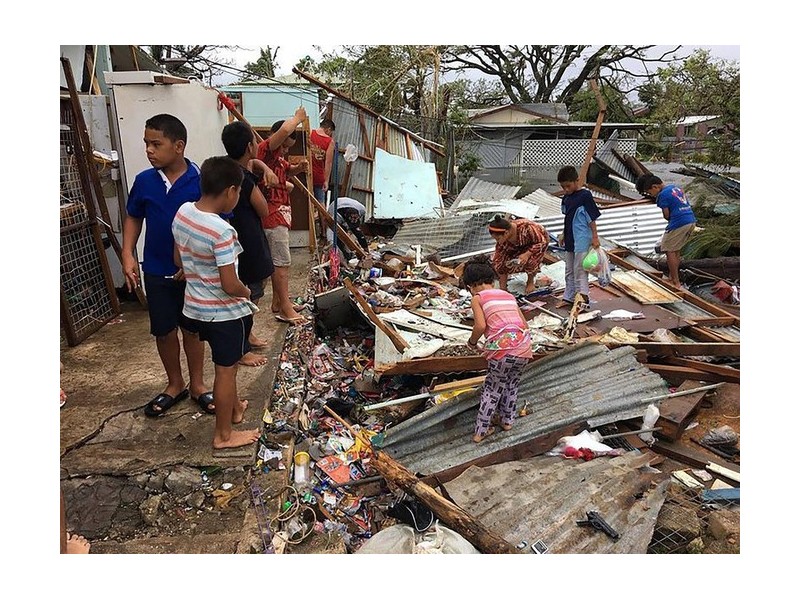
{"points": [[264, 66], [700, 85]]}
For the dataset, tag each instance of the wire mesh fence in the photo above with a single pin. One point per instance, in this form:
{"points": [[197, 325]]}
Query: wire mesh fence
{"points": [[683, 525], [86, 302]]}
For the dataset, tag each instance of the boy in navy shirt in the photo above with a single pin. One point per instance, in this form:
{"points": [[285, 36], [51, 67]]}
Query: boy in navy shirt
{"points": [[155, 197], [580, 232], [680, 218]]}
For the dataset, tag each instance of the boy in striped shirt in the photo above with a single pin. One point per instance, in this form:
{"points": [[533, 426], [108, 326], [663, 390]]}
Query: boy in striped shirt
{"points": [[216, 302]]}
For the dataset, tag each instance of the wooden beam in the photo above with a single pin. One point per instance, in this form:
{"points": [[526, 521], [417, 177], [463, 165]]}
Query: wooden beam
{"points": [[676, 413], [601, 113], [448, 364], [399, 343], [675, 373], [326, 216], [716, 321], [693, 458], [364, 137], [458, 385], [451, 515], [409, 152], [731, 375], [685, 349]]}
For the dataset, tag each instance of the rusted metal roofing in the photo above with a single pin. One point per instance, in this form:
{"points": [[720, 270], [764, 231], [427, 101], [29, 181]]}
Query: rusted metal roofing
{"points": [[541, 498], [587, 382]]}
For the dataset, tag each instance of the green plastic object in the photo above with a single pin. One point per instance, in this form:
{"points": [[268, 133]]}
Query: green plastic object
{"points": [[591, 260]]}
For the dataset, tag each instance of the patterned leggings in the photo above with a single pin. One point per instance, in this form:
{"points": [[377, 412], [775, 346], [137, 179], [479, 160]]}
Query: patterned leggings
{"points": [[500, 387]]}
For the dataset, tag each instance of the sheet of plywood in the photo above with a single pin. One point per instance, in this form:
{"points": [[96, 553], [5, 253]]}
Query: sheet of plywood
{"points": [[644, 289]]}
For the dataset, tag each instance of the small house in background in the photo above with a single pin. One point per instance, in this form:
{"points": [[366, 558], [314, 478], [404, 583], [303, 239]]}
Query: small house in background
{"points": [[528, 143], [691, 132]]}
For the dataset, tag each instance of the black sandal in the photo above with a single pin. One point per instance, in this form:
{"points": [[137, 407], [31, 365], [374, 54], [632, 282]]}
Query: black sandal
{"points": [[164, 402], [205, 400]]}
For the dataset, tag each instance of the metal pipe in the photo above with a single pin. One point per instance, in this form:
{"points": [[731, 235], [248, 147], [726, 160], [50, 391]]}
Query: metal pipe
{"points": [[397, 401]]}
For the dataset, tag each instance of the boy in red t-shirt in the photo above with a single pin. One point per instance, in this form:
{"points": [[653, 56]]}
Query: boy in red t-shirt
{"points": [[322, 149], [276, 224]]}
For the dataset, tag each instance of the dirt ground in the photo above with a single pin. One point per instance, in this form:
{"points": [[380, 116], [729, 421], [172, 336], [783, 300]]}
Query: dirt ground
{"points": [[134, 484]]}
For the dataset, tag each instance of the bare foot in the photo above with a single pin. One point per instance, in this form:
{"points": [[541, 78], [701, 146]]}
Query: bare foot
{"points": [[530, 288], [257, 342], [252, 359], [506, 427], [479, 438], [276, 308], [237, 439], [63, 398], [238, 411], [77, 544]]}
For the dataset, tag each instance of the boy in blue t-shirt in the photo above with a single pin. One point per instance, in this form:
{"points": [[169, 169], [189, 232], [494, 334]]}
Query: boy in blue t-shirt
{"points": [[681, 221], [154, 198], [580, 232]]}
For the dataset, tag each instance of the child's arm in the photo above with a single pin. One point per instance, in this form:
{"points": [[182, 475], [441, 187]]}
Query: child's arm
{"points": [[176, 256], [328, 164], [267, 174], [287, 129], [131, 230], [595, 239], [297, 167], [259, 202], [231, 283], [479, 324]]}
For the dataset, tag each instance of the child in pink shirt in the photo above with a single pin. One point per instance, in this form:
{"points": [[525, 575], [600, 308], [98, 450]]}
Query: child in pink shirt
{"points": [[507, 345]]}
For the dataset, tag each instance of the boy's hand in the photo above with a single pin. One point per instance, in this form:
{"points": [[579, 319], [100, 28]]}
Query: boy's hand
{"points": [[270, 179], [300, 113], [131, 270], [179, 275]]}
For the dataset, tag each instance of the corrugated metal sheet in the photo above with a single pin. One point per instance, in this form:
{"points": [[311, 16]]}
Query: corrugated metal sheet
{"points": [[606, 155], [478, 189], [587, 382], [348, 131], [448, 236], [541, 498]]}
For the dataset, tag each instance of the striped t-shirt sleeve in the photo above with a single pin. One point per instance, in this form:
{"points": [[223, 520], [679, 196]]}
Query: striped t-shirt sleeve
{"points": [[225, 248]]}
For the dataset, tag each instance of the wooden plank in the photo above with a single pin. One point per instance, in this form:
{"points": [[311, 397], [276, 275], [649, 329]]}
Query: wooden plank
{"points": [[705, 335], [672, 373], [676, 413], [601, 114], [444, 364], [693, 458], [364, 137], [409, 151], [723, 371], [343, 188], [716, 321], [399, 343], [458, 385], [450, 514], [326, 216], [643, 288], [685, 349]]}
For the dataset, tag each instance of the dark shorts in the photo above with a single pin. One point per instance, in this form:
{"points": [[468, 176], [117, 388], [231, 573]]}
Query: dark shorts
{"points": [[256, 290], [229, 340], [165, 305]]}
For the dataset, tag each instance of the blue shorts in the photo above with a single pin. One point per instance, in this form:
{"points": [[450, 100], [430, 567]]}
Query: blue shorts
{"points": [[165, 305], [229, 340]]}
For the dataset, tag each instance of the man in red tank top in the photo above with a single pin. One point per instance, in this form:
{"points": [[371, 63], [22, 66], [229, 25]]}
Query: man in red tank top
{"points": [[322, 149]]}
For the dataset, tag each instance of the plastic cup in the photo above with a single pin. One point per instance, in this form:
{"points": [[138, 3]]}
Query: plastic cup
{"points": [[301, 473]]}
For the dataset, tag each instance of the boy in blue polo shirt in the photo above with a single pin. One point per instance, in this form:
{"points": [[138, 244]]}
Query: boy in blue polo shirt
{"points": [[680, 218], [154, 198]]}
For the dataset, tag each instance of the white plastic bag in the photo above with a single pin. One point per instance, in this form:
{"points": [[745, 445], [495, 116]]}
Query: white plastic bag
{"points": [[651, 415], [596, 262]]}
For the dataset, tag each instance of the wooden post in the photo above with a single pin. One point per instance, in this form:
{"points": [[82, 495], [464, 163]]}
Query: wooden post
{"points": [[326, 216], [450, 514], [595, 134], [399, 343], [312, 230]]}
